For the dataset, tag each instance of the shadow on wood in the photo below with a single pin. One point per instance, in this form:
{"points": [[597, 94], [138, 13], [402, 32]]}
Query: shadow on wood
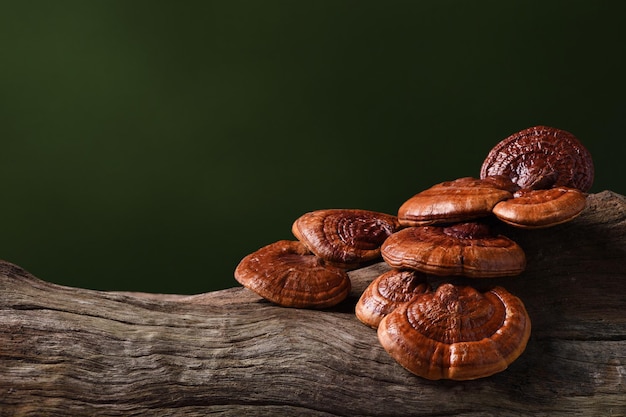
{"points": [[70, 351]]}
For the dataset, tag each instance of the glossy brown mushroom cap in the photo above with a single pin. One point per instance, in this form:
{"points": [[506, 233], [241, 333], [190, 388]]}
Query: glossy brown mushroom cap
{"points": [[468, 249], [541, 157], [541, 208], [287, 274], [388, 291], [453, 201], [457, 333], [345, 237]]}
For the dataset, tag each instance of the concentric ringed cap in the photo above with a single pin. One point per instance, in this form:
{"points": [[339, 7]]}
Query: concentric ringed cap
{"points": [[344, 237], [533, 209], [541, 157], [467, 249], [457, 333], [387, 292], [462, 199], [287, 274]]}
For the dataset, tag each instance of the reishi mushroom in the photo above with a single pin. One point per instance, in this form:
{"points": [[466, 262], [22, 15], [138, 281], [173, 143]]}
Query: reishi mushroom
{"points": [[553, 170], [541, 208], [541, 157], [453, 201], [345, 237], [456, 332], [469, 249], [287, 274], [387, 292]]}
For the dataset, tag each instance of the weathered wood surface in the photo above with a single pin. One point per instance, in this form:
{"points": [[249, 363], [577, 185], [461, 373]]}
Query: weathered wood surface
{"points": [[69, 351]]}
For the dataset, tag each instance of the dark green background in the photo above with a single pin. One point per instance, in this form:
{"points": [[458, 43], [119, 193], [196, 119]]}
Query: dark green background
{"points": [[151, 145]]}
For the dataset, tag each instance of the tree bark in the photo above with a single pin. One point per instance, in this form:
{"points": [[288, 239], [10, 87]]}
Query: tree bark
{"points": [[71, 351]]}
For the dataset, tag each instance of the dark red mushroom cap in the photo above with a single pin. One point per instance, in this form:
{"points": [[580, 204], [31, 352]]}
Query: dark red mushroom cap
{"points": [[388, 291], [453, 201], [345, 237], [287, 274], [541, 208], [468, 249], [457, 332], [541, 157]]}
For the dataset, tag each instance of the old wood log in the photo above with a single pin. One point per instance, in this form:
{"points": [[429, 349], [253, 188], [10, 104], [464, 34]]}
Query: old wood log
{"points": [[70, 351]]}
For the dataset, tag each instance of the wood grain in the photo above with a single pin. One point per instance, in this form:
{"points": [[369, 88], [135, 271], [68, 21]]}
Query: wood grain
{"points": [[71, 351]]}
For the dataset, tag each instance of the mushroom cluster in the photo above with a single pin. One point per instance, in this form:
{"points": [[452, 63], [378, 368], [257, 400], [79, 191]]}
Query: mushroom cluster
{"points": [[533, 179]]}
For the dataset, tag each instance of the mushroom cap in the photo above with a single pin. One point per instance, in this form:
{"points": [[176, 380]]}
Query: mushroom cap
{"points": [[287, 274], [453, 201], [541, 208], [468, 249], [388, 291], [457, 332], [345, 237], [541, 157]]}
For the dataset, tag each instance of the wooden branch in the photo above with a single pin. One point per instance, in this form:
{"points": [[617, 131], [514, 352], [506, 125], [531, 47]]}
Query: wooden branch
{"points": [[70, 351]]}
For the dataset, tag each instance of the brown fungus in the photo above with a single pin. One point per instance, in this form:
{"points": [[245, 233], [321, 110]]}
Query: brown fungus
{"points": [[469, 249], [541, 157], [388, 291], [287, 274], [457, 333], [345, 237], [532, 209], [453, 201]]}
